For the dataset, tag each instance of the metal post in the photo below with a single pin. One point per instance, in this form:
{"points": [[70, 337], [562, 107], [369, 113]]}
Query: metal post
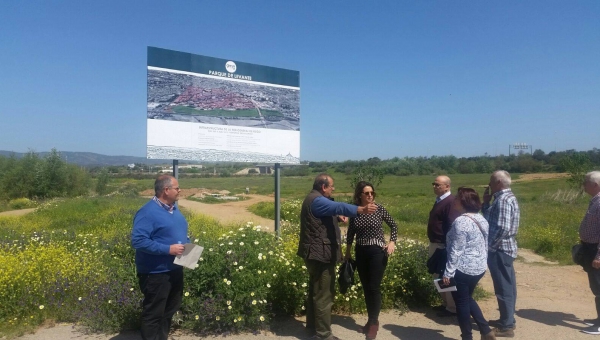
{"points": [[277, 205], [176, 169], [176, 174]]}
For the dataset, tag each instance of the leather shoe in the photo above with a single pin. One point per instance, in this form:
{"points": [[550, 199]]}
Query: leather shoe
{"points": [[445, 313], [496, 323], [504, 333]]}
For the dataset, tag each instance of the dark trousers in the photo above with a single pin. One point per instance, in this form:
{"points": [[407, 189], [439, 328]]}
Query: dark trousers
{"points": [[467, 307], [321, 290], [371, 262], [590, 250], [162, 298], [505, 286], [594, 279]]}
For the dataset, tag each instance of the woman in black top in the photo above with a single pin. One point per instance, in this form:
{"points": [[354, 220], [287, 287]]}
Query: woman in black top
{"points": [[371, 251]]}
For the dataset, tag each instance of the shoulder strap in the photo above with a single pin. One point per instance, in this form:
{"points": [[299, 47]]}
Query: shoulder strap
{"points": [[479, 225]]}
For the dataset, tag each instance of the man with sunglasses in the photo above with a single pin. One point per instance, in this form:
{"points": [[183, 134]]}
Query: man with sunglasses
{"points": [[320, 247], [441, 217], [159, 234]]}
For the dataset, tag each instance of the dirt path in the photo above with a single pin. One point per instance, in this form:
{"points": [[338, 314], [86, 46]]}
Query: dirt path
{"points": [[20, 212], [231, 212], [551, 302]]}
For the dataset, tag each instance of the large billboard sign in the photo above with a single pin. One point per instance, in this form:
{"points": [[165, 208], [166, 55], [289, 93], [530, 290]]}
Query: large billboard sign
{"points": [[209, 109]]}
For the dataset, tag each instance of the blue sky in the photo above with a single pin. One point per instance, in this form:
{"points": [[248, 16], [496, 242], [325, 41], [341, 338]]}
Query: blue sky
{"points": [[380, 79]]}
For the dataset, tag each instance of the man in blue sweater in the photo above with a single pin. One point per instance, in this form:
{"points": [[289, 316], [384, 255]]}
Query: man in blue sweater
{"points": [[159, 234]]}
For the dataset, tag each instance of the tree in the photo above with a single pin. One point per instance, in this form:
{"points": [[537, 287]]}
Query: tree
{"points": [[52, 176], [368, 174], [102, 182], [577, 165]]}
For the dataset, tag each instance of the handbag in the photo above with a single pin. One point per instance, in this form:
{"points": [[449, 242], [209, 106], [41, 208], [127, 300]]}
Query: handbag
{"points": [[346, 275], [436, 264], [578, 254]]}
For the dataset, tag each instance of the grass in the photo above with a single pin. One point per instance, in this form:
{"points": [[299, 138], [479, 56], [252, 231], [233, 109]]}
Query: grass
{"points": [[550, 210]]}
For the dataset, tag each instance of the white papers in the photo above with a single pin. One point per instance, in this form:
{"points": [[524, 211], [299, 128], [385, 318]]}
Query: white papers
{"points": [[190, 256], [439, 285]]}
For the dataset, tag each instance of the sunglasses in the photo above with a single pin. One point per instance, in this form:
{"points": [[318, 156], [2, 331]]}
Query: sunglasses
{"points": [[436, 184], [368, 193]]}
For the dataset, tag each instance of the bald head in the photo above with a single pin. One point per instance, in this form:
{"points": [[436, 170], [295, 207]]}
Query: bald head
{"points": [[441, 185], [443, 179]]}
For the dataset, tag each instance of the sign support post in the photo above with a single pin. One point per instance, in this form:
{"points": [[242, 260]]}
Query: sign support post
{"points": [[277, 201], [176, 174]]}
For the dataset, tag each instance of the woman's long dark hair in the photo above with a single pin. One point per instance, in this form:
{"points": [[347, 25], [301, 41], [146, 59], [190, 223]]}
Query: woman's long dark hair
{"points": [[360, 186]]}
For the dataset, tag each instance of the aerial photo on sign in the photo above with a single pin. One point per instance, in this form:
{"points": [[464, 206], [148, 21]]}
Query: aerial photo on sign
{"points": [[198, 99]]}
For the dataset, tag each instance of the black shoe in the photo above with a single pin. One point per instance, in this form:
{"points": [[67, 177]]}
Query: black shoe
{"points": [[591, 322], [445, 313], [496, 323]]}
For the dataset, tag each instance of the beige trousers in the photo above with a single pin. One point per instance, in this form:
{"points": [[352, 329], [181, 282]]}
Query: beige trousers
{"points": [[447, 299]]}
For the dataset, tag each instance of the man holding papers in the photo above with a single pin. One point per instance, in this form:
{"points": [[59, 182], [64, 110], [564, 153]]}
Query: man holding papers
{"points": [[159, 234]]}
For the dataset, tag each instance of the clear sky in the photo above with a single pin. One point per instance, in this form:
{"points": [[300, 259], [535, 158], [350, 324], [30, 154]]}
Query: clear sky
{"points": [[378, 79]]}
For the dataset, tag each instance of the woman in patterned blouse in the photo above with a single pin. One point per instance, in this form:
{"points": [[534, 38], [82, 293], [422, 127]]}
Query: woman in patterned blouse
{"points": [[371, 251], [466, 243]]}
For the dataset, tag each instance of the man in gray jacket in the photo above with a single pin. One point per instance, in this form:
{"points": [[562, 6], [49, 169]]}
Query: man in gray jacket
{"points": [[319, 246]]}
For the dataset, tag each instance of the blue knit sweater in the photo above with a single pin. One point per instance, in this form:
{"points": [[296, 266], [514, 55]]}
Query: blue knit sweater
{"points": [[154, 231]]}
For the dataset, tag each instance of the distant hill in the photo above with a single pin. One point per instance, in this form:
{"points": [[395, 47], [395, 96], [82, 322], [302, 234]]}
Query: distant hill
{"points": [[92, 159]]}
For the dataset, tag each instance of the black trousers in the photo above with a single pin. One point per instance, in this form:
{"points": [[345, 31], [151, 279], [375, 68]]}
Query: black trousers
{"points": [[590, 250], [371, 262], [162, 298]]}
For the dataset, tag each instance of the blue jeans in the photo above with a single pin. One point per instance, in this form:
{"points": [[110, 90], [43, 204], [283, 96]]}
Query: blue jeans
{"points": [[505, 286], [466, 306]]}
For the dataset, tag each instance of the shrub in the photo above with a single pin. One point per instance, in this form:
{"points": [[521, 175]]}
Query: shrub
{"points": [[79, 268], [289, 211], [21, 203]]}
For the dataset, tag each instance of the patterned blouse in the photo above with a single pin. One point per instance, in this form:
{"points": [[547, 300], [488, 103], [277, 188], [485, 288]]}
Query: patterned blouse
{"points": [[467, 245], [368, 228]]}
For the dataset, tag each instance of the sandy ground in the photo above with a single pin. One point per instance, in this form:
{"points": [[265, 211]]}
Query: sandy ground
{"points": [[552, 301], [232, 212], [17, 212]]}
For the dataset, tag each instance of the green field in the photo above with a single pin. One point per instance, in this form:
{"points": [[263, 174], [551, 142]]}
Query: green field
{"points": [[550, 210]]}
